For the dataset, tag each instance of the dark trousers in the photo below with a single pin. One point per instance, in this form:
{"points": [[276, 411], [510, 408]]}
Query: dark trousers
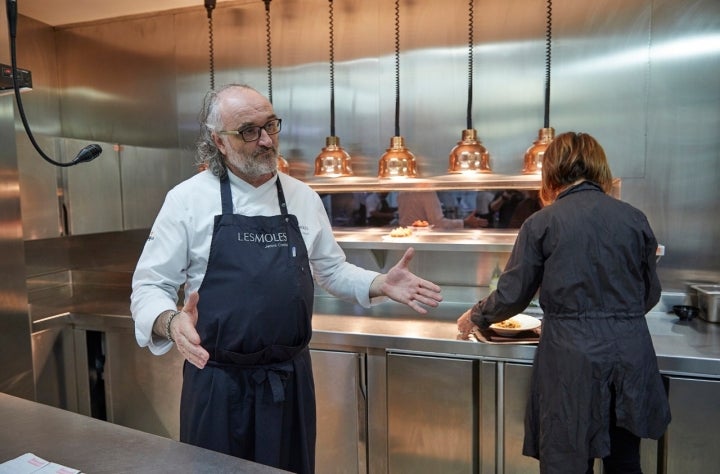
{"points": [[624, 454]]}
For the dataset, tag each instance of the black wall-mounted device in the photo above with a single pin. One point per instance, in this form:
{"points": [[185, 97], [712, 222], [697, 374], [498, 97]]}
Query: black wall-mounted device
{"points": [[23, 77]]}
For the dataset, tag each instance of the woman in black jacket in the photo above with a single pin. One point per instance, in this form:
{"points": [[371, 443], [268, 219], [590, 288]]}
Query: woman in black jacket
{"points": [[596, 389]]}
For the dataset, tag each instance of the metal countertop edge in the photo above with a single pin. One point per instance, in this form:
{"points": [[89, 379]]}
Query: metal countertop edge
{"points": [[703, 367]]}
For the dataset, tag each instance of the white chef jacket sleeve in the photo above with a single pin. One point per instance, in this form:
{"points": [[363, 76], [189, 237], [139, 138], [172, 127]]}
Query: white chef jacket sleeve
{"points": [[159, 273], [330, 267]]}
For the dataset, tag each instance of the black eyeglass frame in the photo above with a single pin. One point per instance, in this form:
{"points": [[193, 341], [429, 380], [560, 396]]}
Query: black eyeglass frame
{"points": [[252, 134]]}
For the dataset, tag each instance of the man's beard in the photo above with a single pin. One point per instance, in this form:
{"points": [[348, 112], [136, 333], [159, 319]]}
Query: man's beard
{"points": [[262, 161]]}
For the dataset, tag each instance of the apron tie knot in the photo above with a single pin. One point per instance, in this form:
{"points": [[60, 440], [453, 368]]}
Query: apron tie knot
{"points": [[276, 377]]}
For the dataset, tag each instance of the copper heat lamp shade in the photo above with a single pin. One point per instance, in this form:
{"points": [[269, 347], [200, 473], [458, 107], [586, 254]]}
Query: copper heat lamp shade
{"points": [[333, 160], [397, 161], [469, 155], [282, 164], [534, 155]]}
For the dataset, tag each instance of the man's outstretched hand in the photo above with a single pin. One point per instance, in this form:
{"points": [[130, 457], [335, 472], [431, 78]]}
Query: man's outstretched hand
{"points": [[403, 286]]}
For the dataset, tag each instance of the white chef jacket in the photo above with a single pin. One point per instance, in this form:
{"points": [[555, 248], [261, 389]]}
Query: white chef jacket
{"points": [[177, 249]]}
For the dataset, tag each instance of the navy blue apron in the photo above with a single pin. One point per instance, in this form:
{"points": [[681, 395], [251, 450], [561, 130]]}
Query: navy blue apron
{"points": [[255, 398]]}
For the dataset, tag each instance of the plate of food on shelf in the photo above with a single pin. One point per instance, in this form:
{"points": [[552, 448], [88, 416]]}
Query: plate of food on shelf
{"points": [[420, 226], [515, 325], [399, 233]]}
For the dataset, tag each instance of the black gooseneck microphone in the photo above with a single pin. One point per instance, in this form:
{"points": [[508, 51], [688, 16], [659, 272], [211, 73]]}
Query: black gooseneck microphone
{"points": [[88, 153]]}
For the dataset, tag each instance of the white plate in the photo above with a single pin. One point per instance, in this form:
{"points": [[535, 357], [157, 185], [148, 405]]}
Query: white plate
{"points": [[526, 323]]}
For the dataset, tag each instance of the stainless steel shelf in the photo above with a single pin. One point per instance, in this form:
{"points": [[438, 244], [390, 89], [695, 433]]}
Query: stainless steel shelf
{"points": [[481, 240], [436, 183]]}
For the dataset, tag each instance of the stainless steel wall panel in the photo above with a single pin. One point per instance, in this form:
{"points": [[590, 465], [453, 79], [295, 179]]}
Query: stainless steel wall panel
{"points": [[681, 192], [16, 372], [147, 174], [104, 252], [599, 80], [92, 192], [36, 52], [41, 190], [118, 81], [239, 55], [640, 76]]}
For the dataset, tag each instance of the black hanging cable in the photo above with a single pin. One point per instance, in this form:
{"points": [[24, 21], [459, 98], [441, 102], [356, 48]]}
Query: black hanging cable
{"points": [[548, 56], [268, 45], [397, 68], [332, 71], [471, 14], [210, 6], [90, 152]]}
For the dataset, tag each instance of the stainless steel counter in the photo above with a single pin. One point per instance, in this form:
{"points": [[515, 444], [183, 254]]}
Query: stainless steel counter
{"points": [[97, 447], [682, 347], [369, 348]]}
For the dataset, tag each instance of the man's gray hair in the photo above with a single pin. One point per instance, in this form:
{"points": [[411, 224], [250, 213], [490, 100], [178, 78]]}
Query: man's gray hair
{"points": [[208, 154]]}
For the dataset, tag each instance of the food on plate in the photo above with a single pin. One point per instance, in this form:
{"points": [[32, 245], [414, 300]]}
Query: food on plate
{"points": [[508, 324], [420, 223], [401, 232], [515, 325]]}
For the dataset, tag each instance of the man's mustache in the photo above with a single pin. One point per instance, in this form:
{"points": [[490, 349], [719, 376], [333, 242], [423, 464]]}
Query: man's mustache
{"points": [[265, 151]]}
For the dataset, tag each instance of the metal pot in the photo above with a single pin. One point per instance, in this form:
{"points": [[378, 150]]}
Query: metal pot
{"points": [[708, 297], [691, 293]]}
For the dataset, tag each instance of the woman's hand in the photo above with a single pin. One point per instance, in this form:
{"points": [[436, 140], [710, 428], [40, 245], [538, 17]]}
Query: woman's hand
{"points": [[465, 325]]}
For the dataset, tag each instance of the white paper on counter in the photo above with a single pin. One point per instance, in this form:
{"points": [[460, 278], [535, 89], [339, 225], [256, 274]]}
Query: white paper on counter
{"points": [[28, 463]]}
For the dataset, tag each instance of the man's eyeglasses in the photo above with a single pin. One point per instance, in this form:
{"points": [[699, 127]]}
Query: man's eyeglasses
{"points": [[251, 134]]}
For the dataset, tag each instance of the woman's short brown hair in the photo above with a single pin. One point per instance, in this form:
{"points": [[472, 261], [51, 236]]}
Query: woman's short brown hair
{"points": [[573, 157]]}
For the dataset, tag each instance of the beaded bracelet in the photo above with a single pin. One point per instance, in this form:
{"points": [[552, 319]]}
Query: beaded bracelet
{"points": [[170, 318]]}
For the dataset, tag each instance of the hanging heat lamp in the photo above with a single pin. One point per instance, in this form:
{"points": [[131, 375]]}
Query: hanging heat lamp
{"points": [[397, 161], [209, 7], [532, 163], [333, 160], [469, 155], [282, 164]]}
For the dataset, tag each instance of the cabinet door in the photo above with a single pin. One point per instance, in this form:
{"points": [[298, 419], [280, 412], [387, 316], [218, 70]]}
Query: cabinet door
{"points": [[341, 412], [693, 434], [515, 393], [142, 390], [515, 379], [54, 368], [433, 414]]}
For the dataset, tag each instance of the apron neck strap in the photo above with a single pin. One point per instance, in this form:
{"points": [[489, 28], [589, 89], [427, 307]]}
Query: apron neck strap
{"points": [[226, 194], [281, 196]]}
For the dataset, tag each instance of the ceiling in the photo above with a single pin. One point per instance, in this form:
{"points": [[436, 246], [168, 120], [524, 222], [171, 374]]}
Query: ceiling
{"points": [[65, 12]]}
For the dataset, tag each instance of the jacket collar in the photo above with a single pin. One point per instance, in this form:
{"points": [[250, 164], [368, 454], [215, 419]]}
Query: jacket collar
{"points": [[584, 186]]}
